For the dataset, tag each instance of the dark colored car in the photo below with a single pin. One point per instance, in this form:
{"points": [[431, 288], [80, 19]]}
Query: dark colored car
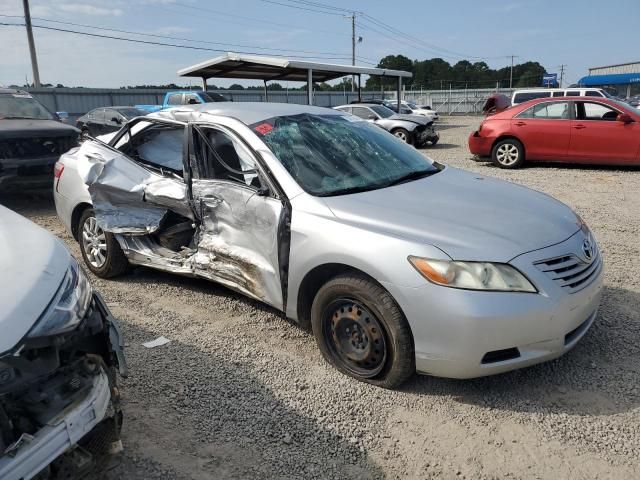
{"points": [[593, 130], [31, 141], [105, 120]]}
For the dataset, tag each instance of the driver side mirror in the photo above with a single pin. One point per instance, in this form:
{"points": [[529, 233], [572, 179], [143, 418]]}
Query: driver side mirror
{"points": [[116, 120], [372, 117], [624, 118]]}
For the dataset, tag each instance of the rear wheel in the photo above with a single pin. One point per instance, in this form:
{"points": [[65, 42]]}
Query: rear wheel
{"points": [[402, 134], [361, 331], [508, 153], [100, 250]]}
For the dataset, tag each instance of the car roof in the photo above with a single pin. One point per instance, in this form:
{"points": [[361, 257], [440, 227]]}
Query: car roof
{"points": [[520, 90], [247, 112], [569, 98]]}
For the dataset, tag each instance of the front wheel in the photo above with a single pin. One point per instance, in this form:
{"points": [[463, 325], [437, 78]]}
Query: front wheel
{"points": [[508, 153], [361, 331], [100, 250], [402, 134]]}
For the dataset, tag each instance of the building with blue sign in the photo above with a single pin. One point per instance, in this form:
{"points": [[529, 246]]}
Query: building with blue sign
{"points": [[622, 80]]}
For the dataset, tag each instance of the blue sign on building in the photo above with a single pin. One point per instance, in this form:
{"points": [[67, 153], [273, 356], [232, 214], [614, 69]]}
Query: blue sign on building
{"points": [[550, 80]]}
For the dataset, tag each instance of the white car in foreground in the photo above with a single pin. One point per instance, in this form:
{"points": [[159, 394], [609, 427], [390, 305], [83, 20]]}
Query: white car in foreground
{"points": [[59, 351]]}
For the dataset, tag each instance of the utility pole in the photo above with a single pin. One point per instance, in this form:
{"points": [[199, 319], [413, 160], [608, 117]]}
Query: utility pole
{"points": [[32, 45], [511, 75], [353, 48], [562, 67]]}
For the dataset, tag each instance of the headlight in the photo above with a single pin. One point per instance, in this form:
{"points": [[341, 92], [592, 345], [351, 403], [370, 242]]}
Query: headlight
{"points": [[69, 305], [472, 275]]}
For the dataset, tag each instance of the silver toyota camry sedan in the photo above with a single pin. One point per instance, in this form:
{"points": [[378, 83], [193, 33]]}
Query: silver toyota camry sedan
{"points": [[397, 263]]}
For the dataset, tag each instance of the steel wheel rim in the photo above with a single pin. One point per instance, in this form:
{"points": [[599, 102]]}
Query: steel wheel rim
{"points": [[401, 135], [355, 338], [94, 243], [507, 154]]}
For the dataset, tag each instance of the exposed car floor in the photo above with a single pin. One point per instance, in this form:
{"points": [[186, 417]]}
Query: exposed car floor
{"points": [[239, 392]]}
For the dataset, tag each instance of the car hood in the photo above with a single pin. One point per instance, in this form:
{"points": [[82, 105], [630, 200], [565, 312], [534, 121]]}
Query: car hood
{"points": [[19, 128], [468, 216], [32, 265], [418, 119]]}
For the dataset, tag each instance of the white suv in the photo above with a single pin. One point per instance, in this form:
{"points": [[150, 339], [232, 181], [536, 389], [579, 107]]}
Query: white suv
{"points": [[521, 96]]}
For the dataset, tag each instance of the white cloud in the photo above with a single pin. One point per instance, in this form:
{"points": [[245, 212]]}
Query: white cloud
{"points": [[90, 9]]}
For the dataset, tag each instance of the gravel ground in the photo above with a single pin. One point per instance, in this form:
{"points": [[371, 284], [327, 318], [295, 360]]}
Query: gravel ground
{"points": [[240, 392]]}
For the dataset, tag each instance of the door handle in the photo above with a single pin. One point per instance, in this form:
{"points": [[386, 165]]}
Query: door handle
{"points": [[520, 124], [579, 127]]}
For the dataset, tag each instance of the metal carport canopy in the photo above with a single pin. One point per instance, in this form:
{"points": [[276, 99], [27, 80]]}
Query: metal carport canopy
{"points": [[258, 67]]}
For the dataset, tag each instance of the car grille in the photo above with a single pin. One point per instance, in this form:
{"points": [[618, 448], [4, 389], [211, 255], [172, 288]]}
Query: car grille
{"points": [[570, 271], [36, 147]]}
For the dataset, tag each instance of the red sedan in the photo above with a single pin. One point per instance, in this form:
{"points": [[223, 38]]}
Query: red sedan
{"points": [[561, 129]]}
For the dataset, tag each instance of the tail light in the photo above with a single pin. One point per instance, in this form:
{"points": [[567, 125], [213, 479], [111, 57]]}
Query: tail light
{"points": [[58, 169], [57, 172]]}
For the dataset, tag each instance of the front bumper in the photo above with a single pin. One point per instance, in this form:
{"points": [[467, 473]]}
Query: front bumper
{"points": [[454, 330], [428, 135], [31, 454], [59, 434], [480, 146], [27, 172]]}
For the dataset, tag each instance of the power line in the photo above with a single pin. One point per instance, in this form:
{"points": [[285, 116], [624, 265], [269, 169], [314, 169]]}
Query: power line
{"points": [[380, 24], [301, 8], [168, 37], [261, 21], [149, 42]]}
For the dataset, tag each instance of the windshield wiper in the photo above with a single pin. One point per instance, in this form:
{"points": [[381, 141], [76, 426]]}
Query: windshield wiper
{"points": [[348, 190], [16, 117], [415, 175]]}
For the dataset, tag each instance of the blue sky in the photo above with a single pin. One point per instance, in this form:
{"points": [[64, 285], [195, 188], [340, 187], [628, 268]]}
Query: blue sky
{"points": [[576, 33]]}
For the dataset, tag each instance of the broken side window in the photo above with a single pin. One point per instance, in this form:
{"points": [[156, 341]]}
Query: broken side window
{"points": [[158, 145], [220, 156]]}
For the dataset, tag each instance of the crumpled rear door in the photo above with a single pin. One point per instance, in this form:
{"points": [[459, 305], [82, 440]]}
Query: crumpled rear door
{"points": [[127, 197]]}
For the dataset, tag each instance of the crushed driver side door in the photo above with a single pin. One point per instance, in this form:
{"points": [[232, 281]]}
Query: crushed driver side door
{"points": [[240, 213]]}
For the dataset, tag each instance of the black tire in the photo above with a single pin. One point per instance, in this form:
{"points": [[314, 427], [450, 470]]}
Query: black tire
{"points": [[84, 134], [115, 262], [508, 153], [402, 134], [353, 301]]}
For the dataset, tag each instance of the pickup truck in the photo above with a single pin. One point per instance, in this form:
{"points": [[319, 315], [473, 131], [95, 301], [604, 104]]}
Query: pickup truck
{"points": [[183, 97]]}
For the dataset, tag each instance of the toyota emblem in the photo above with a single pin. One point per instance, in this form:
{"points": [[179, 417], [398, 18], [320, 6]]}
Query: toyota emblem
{"points": [[587, 249]]}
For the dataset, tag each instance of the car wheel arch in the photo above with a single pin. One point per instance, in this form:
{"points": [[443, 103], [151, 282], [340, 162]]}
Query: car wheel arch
{"points": [[506, 137], [75, 217], [315, 279]]}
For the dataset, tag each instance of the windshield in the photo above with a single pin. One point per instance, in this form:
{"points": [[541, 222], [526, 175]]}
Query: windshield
{"points": [[338, 154], [22, 105], [381, 110], [130, 113]]}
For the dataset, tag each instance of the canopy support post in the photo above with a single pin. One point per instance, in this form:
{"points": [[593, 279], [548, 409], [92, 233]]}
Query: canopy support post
{"points": [[204, 84], [399, 92], [359, 87], [309, 87], [266, 94]]}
